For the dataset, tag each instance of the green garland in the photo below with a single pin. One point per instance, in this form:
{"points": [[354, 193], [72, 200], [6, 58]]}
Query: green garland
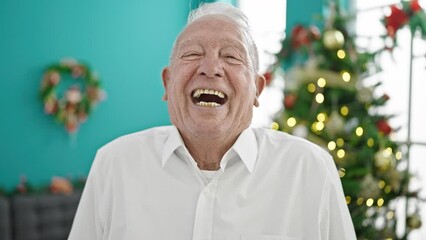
{"points": [[74, 106]]}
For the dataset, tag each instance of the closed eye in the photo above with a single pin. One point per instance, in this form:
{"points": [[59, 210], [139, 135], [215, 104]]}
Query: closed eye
{"points": [[191, 56], [233, 59]]}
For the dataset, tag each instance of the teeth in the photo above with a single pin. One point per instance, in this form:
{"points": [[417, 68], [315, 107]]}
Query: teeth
{"points": [[198, 92], [208, 104]]}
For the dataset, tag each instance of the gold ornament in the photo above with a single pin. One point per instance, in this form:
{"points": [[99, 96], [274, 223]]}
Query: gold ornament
{"points": [[414, 221], [383, 160], [334, 124], [369, 187], [333, 39]]}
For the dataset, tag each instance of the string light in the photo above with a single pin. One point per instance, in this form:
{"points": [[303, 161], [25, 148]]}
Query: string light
{"points": [[291, 122], [390, 215], [381, 184], [359, 131], [398, 155], [342, 172], [346, 76], [380, 202], [311, 88], [321, 117], [320, 126], [340, 142], [344, 110], [388, 189], [388, 152], [319, 98], [341, 54], [275, 126], [321, 82], [369, 202], [370, 142], [360, 201], [331, 145], [348, 199], [341, 153], [317, 126]]}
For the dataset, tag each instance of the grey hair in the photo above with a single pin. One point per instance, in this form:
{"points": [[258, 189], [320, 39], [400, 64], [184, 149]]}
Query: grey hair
{"points": [[231, 12]]}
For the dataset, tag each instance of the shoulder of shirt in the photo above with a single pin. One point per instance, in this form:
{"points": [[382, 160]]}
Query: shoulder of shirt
{"points": [[280, 137], [300, 145], [148, 136]]}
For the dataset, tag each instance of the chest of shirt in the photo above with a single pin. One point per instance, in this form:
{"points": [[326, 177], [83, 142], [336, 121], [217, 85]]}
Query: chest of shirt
{"points": [[176, 203]]}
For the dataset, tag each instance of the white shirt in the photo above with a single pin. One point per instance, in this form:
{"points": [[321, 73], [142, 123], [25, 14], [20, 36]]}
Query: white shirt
{"points": [[270, 186]]}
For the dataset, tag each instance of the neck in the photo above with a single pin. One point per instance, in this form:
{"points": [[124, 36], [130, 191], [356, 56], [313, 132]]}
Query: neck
{"points": [[208, 151]]}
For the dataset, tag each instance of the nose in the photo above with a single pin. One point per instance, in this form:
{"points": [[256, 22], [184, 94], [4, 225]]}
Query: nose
{"points": [[211, 67]]}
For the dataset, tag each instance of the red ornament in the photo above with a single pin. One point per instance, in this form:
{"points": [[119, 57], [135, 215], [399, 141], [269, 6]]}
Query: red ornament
{"points": [[395, 20], [290, 100], [383, 127], [415, 6], [385, 97], [300, 37], [268, 78]]}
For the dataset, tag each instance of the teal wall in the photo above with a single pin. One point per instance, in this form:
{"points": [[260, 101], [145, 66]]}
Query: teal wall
{"points": [[302, 12], [126, 42], [196, 3]]}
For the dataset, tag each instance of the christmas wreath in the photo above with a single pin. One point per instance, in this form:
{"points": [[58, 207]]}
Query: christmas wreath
{"points": [[74, 105]]}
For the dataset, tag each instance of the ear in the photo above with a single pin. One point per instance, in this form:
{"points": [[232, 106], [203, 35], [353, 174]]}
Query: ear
{"points": [[260, 84], [165, 75]]}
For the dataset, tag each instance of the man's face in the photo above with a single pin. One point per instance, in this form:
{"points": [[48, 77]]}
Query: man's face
{"points": [[211, 86]]}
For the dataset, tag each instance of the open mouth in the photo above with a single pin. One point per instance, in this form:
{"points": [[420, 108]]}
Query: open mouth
{"points": [[208, 98]]}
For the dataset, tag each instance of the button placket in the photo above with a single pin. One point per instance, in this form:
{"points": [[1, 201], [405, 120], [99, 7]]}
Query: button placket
{"points": [[204, 213]]}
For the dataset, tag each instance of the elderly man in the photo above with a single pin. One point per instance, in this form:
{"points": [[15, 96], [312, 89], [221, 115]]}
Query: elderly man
{"points": [[210, 176]]}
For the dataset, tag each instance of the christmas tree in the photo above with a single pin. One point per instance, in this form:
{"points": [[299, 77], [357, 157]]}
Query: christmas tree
{"points": [[327, 101]]}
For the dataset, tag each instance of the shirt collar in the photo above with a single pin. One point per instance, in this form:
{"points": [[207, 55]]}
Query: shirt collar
{"points": [[245, 146], [173, 142]]}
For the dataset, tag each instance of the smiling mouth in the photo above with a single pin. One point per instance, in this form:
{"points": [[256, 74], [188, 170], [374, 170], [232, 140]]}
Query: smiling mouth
{"points": [[208, 98]]}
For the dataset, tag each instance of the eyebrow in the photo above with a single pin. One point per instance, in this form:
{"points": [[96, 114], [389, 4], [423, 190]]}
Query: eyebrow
{"points": [[228, 43]]}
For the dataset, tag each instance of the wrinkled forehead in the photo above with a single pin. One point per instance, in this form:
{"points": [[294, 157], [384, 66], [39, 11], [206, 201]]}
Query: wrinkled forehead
{"points": [[223, 27]]}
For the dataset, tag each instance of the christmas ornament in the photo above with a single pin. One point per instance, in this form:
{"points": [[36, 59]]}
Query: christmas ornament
{"points": [[414, 221], [408, 13], [290, 100], [383, 127], [383, 160], [333, 39], [299, 36], [73, 107], [302, 36], [415, 6], [395, 20], [334, 124], [369, 187], [394, 178]]}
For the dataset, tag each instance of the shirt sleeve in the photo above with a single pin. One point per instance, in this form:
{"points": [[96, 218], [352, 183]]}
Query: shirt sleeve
{"points": [[336, 222], [86, 223]]}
